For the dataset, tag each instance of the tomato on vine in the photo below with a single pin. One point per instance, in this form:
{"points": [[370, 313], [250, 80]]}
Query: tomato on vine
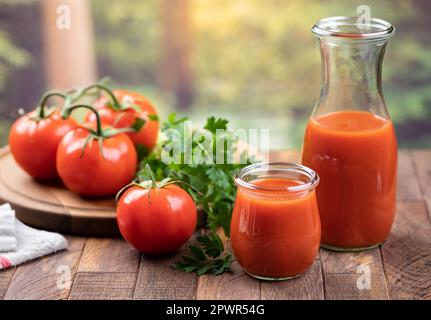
{"points": [[35, 136], [126, 109], [96, 162]]}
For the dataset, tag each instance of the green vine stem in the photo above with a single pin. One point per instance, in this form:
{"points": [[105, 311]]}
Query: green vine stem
{"points": [[151, 175], [44, 100], [99, 129], [124, 189], [115, 104]]}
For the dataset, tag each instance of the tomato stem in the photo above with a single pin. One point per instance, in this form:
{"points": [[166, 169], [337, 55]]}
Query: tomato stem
{"points": [[151, 175], [45, 99], [99, 129], [124, 189], [115, 104]]}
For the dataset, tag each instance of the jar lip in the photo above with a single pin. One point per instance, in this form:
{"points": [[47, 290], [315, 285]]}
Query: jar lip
{"points": [[312, 176], [333, 27]]}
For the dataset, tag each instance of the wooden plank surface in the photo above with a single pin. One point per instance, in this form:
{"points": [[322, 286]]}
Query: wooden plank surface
{"points": [[408, 182], [422, 164], [5, 279], [103, 286], [158, 280], [107, 270], [307, 286], [345, 272], [103, 268], [47, 278], [407, 253], [236, 285], [109, 255]]}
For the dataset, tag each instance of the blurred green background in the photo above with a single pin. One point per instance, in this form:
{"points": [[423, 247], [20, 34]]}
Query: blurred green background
{"points": [[254, 62]]}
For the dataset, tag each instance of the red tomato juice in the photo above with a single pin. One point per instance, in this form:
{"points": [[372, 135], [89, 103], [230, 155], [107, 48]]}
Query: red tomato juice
{"points": [[355, 155], [275, 234]]}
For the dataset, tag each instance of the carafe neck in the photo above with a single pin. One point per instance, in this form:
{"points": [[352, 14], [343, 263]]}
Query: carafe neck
{"points": [[352, 70]]}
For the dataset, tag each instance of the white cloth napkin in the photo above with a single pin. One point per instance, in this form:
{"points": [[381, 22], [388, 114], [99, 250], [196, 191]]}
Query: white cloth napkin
{"points": [[7, 229], [20, 243]]}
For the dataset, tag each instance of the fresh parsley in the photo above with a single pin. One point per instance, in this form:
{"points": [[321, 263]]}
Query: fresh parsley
{"points": [[153, 117], [210, 183], [209, 257]]}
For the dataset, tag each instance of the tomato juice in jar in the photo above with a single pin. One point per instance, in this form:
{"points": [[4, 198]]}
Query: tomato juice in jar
{"points": [[275, 228]]}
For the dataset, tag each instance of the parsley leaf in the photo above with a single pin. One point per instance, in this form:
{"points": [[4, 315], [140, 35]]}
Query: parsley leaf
{"points": [[219, 177], [213, 124], [142, 151], [208, 258], [212, 244], [153, 117]]}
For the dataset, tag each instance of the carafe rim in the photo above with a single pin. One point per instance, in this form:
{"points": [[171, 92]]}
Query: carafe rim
{"points": [[353, 28]]}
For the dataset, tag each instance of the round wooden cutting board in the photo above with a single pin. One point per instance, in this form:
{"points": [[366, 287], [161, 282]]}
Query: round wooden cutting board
{"points": [[50, 206]]}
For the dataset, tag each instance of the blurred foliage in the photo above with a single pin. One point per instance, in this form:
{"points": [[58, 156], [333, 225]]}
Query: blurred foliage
{"points": [[258, 58], [256, 61], [4, 131], [11, 58], [127, 40]]}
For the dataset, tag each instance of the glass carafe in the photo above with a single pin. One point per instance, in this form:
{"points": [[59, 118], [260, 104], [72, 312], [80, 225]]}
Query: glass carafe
{"points": [[350, 140]]}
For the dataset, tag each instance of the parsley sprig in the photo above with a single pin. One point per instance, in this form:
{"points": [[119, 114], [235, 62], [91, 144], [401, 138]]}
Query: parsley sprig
{"points": [[213, 179], [210, 183], [209, 257]]}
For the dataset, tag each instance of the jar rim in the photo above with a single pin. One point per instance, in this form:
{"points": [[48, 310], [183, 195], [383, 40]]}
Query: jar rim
{"points": [[310, 174], [372, 29]]}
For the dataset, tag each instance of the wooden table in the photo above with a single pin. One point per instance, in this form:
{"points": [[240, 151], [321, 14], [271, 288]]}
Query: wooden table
{"points": [[111, 269]]}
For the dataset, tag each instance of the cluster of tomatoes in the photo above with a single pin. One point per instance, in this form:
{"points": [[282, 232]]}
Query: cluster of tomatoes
{"points": [[98, 158]]}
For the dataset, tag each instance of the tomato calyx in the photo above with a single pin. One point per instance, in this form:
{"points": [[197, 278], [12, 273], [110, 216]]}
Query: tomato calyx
{"points": [[99, 133], [127, 102], [152, 183]]}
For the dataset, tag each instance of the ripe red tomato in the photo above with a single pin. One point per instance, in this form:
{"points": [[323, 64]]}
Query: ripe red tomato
{"points": [[126, 117], [95, 163], [156, 220], [33, 142]]}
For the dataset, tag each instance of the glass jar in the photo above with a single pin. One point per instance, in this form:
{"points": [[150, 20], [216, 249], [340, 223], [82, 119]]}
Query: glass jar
{"points": [[275, 228], [350, 140]]}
